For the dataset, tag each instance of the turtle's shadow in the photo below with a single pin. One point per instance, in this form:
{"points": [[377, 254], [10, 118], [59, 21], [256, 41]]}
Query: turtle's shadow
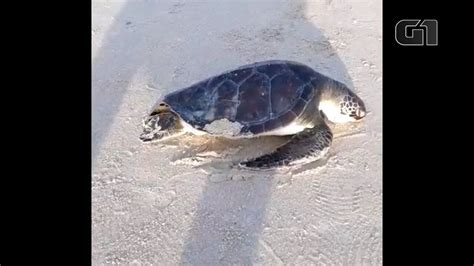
{"points": [[211, 151], [217, 155], [229, 217]]}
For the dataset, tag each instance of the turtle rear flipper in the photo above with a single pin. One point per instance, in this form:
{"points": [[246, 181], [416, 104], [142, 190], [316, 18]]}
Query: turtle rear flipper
{"points": [[309, 145], [160, 126]]}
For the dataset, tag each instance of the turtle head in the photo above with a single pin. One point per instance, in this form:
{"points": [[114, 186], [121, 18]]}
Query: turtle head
{"points": [[340, 105]]}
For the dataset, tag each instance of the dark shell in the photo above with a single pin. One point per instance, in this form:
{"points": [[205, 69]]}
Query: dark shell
{"points": [[262, 96]]}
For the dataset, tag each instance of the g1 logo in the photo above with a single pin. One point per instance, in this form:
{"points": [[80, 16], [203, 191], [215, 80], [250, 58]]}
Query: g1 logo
{"points": [[417, 32]]}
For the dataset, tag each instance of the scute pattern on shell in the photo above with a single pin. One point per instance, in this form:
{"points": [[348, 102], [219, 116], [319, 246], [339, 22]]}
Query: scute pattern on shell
{"points": [[261, 96]]}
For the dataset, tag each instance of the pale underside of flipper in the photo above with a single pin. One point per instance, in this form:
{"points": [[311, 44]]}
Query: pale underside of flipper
{"points": [[307, 146], [161, 126]]}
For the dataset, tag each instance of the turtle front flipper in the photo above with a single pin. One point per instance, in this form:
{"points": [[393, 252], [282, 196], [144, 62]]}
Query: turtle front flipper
{"points": [[309, 145], [160, 126]]}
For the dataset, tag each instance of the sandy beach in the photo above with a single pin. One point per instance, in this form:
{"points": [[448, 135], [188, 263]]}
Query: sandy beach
{"points": [[180, 202]]}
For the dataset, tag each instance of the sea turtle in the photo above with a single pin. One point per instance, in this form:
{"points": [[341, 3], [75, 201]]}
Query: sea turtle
{"points": [[265, 98]]}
